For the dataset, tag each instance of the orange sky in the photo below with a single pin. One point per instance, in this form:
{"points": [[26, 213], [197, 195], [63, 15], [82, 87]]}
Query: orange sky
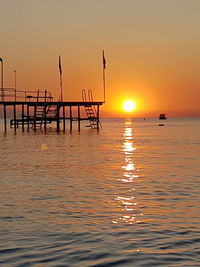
{"points": [[152, 51]]}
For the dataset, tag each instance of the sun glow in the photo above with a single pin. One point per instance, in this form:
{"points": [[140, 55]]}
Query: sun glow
{"points": [[129, 105]]}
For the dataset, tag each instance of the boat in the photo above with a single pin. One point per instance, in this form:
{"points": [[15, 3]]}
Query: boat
{"points": [[162, 117]]}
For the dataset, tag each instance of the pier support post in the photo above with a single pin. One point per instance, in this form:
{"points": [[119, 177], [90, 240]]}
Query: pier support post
{"points": [[27, 110], [79, 124], [45, 117], [5, 124], [97, 117], [23, 117], [63, 118], [70, 115], [34, 118], [58, 118], [15, 123]]}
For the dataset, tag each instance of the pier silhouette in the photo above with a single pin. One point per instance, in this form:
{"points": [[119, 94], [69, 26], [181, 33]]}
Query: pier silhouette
{"points": [[37, 109]]}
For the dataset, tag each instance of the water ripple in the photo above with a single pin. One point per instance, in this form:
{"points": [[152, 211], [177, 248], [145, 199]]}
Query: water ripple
{"points": [[127, 196]]}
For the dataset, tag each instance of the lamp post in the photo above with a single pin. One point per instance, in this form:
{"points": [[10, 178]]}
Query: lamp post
{"points": [[15, 83], [15, 79], [2, 91]]}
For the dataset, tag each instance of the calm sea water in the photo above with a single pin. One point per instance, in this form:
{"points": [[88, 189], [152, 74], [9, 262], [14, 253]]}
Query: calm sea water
{"points": [[126, 196]]}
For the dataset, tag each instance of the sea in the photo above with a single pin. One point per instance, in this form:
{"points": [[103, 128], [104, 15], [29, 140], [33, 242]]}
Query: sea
{"points": [[126, 195]]}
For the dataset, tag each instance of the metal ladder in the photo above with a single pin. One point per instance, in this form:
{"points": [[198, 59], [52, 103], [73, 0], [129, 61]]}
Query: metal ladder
{"points": [[41, 111], [49, 114], [90, 110], [38, 113]]}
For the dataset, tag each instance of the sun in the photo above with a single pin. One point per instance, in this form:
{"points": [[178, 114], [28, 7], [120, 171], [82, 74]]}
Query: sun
{"points": [[129, 105]]}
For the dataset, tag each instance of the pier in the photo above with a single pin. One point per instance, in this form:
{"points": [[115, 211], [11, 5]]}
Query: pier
{"points": [[38, 109], [34, 110]]}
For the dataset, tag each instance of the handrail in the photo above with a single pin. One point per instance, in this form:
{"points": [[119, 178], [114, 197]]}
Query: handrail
{"points": [[84, 97], [90, 96], [17, 95], [87, 94]]}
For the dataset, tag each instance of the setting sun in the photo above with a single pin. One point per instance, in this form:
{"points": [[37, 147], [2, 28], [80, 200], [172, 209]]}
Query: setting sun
{"points": [[129, 105]]}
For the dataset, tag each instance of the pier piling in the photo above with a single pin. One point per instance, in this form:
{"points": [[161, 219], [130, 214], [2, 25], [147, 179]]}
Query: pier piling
{"points": [[70, 114], [5, 123], [15, 122], [23, 117], [36, 111], [79, 122], [58, 118], [63, 118]]}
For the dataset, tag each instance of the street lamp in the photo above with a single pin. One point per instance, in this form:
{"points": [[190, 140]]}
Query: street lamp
{"points": [[15, 85], [15, 79], [2, 92]]}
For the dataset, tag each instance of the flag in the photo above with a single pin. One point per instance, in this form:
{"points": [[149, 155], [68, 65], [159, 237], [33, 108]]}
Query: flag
{"points": [[60, 68], [104, 61]]}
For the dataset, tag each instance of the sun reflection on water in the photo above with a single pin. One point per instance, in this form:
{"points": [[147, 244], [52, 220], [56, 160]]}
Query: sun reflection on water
{"points": [[129, 213]]}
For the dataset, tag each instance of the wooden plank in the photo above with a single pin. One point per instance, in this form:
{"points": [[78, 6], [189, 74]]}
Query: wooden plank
{"points": [[72, 103]]}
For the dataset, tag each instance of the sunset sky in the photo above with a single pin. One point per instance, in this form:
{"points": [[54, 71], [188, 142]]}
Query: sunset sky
{"points": [[152, 49]]}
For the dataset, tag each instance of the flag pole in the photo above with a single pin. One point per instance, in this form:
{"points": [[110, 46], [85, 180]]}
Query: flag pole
{"points": [[104, 77], [61, 89], [2, 90]]}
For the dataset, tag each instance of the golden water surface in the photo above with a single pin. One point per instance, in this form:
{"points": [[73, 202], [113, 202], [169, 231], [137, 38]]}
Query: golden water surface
{"points": [[127, 195]]}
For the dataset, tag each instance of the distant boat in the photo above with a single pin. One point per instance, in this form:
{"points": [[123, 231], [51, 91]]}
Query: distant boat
{"points": [[162, 117]]}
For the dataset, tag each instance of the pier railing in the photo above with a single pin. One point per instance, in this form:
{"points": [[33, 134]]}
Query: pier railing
{"points": [[13, 95]]}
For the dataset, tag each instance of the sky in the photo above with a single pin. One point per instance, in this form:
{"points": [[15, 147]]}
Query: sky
{"points": [[152, 50]]}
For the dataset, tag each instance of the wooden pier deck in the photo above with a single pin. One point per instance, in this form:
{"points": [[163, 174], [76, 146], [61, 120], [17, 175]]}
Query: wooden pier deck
{"points": [[38, 111]]}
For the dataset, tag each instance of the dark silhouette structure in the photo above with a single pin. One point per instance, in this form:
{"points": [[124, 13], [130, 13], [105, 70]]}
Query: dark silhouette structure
{"points": [[37, 109]]}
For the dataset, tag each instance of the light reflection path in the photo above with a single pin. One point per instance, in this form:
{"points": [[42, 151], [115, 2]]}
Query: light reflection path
{"points": [[129, 213]]}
